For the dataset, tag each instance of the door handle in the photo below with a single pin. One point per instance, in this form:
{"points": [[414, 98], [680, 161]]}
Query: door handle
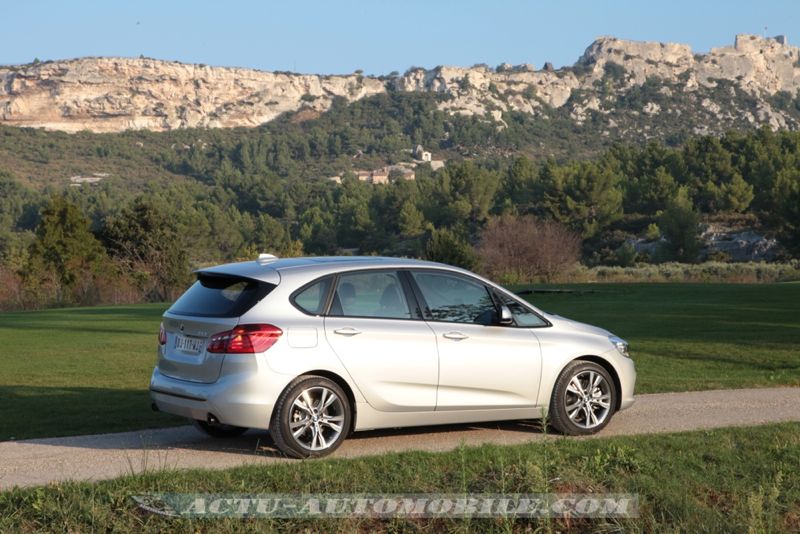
{"points": [[455, 336], [347, 331]]}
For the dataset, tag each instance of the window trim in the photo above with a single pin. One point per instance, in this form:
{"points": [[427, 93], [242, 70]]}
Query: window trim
{"points": [[490, 288], [414, 296], [413, 305], [327, 300]]}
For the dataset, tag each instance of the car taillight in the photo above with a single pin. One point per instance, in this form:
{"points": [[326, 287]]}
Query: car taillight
{"points": [[162, 335], [245, 339]]}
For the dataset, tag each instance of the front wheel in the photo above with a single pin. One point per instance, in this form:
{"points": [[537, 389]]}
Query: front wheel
{"points": [[311, 418], [584, 399]]}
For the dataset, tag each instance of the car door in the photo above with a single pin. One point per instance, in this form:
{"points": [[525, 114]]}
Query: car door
{"points": [[389, 352], [482, 365]]}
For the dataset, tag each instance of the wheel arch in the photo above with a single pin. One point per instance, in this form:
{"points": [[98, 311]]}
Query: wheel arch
{"points": [[342, 383], [605, 364]]}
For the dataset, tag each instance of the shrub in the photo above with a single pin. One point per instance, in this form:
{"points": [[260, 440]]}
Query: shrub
{"points": [[712, 271], [521, 249]]}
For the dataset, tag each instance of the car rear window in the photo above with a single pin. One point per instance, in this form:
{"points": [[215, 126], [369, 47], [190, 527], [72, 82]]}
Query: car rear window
{"points": [[220, 296]]}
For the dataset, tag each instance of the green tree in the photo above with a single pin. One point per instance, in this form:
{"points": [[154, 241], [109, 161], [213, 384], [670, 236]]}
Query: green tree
{"points": [[145, 238], [678, 225], [785, 216], [735, 195], [519, 189], [354, 220], [411, 220], [587, 197], [65, 252], [18, 205], [318, 231], [461, 193], [446, 247], [650, 192], [273, 237]]}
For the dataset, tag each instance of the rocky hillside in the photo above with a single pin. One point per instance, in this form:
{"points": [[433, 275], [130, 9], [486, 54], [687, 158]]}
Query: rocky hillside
{"points": [[622, 88]]}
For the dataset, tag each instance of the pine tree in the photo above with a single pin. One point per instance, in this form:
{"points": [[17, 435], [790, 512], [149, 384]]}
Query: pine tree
{"points": [[145, 237], [411, 220], [65, 251], [678, 225], [446, 247]]}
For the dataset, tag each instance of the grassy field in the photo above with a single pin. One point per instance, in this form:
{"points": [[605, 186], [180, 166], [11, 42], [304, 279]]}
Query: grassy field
{"points": [[78, 371], [696, 336], [729, 480]]}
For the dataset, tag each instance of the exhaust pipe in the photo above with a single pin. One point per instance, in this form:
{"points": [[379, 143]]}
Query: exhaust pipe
{"points": [[154, 407], [211, 419]]}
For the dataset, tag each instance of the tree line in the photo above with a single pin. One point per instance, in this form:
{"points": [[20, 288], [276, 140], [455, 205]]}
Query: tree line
{"points": [[114, 242]]}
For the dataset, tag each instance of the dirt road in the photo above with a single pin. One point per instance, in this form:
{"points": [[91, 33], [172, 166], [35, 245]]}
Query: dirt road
{"points": [[39, 461]]}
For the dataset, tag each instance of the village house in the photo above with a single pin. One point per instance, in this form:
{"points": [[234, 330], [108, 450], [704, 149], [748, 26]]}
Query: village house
{"points": [[375, 176], [421, 154], [405, 173], [364, 176]]}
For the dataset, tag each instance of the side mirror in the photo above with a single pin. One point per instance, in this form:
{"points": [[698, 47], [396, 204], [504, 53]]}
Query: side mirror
{"points": [[506, 317]]}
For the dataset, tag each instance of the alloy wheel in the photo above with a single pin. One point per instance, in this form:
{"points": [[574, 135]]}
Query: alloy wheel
{"points": [[588, 399], [316, 418]]}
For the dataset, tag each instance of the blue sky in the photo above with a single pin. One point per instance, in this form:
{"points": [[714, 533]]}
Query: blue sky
{"points": [[376, 36]]}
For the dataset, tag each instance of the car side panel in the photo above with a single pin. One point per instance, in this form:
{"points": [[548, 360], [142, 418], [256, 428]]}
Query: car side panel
{"points": [[393, 361], [560, 346], [490, 367]]}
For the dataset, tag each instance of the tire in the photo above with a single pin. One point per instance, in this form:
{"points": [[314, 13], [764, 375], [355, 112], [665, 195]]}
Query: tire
{"points": [[575, 408], [220, 430], [301, 430]]}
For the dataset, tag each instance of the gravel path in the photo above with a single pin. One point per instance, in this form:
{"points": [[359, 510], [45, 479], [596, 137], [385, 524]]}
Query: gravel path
{"points": [[40, 461]]}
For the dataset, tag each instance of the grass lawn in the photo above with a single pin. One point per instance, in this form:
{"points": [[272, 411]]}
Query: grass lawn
{"points": [[695, 336], [86, 370], [78, 371], [728, 480]]}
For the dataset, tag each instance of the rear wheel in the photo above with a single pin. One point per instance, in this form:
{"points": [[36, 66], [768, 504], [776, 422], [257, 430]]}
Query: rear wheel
{"points": [[219, 430], [584, 399], [311, 418]]}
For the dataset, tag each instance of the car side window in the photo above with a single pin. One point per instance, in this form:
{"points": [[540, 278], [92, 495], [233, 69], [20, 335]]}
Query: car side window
{"points": [[312, 299], [522, 315], [370, 294], [455, 299]]}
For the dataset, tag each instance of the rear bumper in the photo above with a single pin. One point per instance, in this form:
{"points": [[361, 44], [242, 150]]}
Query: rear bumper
{"points": [[240, 399]]}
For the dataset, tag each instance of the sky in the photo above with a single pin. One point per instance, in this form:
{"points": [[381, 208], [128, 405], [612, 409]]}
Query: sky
{"points": [[377, 36]]}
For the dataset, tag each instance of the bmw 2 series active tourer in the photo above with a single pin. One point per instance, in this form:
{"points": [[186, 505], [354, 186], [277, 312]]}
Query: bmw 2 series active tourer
{"points": [[312, 349]]}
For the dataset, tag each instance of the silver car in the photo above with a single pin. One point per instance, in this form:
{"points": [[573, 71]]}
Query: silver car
{"points": [[315, 348]]}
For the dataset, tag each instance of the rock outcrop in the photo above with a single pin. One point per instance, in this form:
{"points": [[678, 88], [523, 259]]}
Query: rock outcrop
{"points": [[115, 94], [759, 65]]}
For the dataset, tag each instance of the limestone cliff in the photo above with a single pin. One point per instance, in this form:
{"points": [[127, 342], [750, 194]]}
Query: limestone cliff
{"points": [[115, 94]]}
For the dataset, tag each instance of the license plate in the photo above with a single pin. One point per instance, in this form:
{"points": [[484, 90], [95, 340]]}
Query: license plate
{"points": [[189, 344]]}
